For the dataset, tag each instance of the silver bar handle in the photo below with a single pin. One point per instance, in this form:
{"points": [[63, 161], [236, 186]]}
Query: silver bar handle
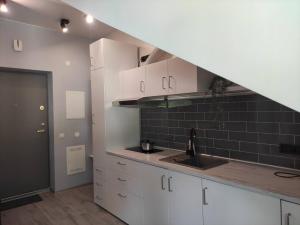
{"points": [[122, 196], [141, 89], [163, 82], [41, 131], [204, 196], [162, 182], [122, 164], [288, 216], [100, 171], [169, 184], [170, 78], [120, 179]]}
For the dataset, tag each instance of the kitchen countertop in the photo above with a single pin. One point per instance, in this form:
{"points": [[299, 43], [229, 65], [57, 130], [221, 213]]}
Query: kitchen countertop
{"points": [[252, 177]]}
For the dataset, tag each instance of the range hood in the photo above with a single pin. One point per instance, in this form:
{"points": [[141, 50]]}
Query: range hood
{"points": [[171, 101]]}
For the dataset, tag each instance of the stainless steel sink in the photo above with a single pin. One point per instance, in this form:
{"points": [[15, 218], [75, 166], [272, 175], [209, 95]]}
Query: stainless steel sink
{"points": [[202, 162]]}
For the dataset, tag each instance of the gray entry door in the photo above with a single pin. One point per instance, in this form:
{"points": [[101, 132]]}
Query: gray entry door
{"points": [[24, 151]]}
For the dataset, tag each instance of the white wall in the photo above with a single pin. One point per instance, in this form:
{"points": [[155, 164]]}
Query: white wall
{"points": [[255, 43], [48, 50], [144, 47]]}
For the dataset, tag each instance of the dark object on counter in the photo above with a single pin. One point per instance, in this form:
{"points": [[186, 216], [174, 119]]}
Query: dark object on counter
{"points": [[20, 202], [290, 149], [191, 149], [146, 145], [139, 149], [286, 174]]}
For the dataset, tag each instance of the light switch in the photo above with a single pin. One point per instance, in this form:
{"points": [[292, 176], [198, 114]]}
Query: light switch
{"points": [[61, 135], [76, 134]]}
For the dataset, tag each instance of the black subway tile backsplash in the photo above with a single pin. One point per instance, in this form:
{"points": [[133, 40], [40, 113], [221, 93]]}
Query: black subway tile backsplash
{"points": [[249, 127]]}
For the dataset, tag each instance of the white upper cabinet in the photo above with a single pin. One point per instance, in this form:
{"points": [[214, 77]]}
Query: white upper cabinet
{"points": [[182, 76], [167, 77], [132, 83], [96, 56], [290, 213], [227, 205], [157, 79]]}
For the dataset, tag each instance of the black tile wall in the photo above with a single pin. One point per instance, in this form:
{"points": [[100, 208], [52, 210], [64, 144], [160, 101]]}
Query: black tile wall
{"points": [[249, 128]]}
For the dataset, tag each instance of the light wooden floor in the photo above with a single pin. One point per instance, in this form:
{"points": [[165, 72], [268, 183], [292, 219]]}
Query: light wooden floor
{"points": [[70, 207]]}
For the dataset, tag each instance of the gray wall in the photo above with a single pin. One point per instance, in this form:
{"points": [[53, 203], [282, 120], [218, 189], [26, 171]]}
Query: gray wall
{"points": [[47, 50]]}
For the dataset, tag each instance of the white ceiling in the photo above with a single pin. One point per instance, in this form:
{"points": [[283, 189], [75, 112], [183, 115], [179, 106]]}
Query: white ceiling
{"points": [[47, 13]]}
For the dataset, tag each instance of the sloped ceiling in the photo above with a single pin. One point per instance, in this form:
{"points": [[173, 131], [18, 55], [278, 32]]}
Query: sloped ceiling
{"points": [[255, 43], [47, 13]]}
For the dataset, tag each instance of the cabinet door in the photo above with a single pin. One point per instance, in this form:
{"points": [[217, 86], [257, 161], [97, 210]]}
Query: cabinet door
{"points": [[182, 76], [157, 79], [227, 205], [290, 213], [155, 195], [132, 83], [96, 55], [97, 92], [185, 200]]}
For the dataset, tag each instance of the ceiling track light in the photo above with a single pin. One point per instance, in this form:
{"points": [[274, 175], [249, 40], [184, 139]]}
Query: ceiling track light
{"points": [[64, 25], [89, 18], [3, 6]]}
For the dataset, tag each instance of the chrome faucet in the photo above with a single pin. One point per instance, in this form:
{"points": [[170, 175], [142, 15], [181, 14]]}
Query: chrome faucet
{"points": [[191, 149]]}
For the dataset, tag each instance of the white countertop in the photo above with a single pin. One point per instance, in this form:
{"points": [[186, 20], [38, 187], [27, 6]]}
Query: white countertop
{"points": [[243, 175]]}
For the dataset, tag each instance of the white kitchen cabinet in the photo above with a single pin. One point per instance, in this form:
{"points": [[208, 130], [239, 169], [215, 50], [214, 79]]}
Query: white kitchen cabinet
{"points": [[96, 56], [185, 199], [182, 76], [98, 122], [156, 197], [167, 77], [290, 213], [113, 127], [227, 205], [157, 79], [133, 83], [171, 198]]}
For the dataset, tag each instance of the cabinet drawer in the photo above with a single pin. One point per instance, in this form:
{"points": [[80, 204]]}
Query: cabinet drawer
{"points": [[99, 194], [124, 205], [99, 175], [124, 166], [126, 182]]}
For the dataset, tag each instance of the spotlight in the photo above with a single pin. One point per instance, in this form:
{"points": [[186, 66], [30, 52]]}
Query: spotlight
{"points": [[64, 25], [89, 18], [3, 6]]}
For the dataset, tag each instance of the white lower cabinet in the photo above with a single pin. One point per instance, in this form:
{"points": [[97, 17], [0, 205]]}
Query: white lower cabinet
{"points": [[155, 195], [185, 199], [171, 198], [290, 213], [226, 205], [141, 194]]}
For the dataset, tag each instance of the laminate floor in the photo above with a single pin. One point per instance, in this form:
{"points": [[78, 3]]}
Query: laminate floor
{"points": [[70, 207]]}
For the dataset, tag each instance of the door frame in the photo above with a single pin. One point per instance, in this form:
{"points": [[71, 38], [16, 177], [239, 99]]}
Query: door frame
{"points": [[48, 75]]}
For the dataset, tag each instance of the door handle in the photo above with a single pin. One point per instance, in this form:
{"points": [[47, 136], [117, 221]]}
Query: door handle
{"points": [[120, 179], [288, 215], [41, 131], [162, 182], [122, 196], [170, 78], [163, 82], [142, 86], [204, 196], [169, 184]]}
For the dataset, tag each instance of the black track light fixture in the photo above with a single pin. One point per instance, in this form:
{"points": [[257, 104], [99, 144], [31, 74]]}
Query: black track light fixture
{"points": [[64, 25]]}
